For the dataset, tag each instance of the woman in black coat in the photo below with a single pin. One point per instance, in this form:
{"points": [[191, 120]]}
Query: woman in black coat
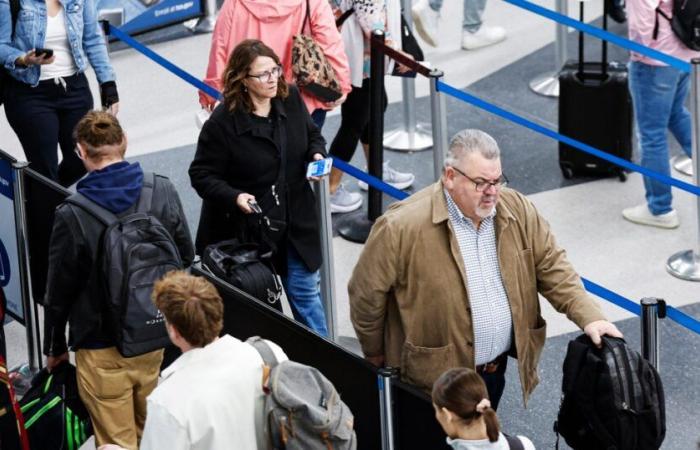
{"points": [[255, 147]]}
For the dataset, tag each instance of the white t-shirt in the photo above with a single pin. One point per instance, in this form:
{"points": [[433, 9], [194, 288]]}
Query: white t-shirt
{"points": [[210, 398], [57, 40], [485, 444]]}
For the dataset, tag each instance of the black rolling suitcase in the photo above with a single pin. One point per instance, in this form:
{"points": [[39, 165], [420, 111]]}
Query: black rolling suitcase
{"points": [[594, 108]]}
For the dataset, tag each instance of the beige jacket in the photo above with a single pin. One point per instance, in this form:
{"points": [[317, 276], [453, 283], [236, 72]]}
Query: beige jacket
{"points": [[408, 296]]}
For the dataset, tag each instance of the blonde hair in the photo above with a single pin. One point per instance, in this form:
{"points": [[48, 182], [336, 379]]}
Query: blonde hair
{"points": [[100, 135]]}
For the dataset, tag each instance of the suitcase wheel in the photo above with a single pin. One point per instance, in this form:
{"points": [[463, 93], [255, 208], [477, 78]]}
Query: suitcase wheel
{"points": [[567, 172], [622, 175]]}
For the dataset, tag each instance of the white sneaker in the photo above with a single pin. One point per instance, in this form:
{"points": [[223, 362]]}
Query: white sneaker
{"points": [[343, 201], [399, 180], [640, 214], [485, 36], [426, 21]]}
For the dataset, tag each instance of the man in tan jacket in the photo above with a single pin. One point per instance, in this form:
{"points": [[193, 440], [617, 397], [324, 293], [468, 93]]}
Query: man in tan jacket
{"points": [[450, 277]]}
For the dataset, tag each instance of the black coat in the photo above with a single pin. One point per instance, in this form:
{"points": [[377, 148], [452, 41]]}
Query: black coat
{"points": [[233, 157]]}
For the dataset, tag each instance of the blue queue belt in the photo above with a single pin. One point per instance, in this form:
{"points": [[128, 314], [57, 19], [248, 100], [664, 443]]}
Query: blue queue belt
{"points": [[602, 34], [672, 313]]}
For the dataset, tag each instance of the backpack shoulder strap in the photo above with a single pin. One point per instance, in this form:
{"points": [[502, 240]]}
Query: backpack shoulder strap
{"points": [[146, 197], [268, 356], [103, 215], [514, 442]]}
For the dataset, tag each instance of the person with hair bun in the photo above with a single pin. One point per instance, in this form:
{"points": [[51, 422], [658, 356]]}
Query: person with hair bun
{"points": [[464, 411]]}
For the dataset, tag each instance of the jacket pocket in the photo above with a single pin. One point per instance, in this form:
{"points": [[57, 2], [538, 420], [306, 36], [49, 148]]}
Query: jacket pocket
{"points": [[535, 343], [421, 366]]}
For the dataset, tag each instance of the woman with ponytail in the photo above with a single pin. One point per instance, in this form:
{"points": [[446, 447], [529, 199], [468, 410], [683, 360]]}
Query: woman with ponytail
{"points": [[464, 411]]}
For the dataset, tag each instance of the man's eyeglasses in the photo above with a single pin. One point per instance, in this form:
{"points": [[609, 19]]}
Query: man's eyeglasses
{"points": [[482, 185], [268, 75]]}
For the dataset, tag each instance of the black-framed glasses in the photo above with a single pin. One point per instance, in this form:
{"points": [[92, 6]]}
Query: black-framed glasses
{"points": [[268, 75], [481, 185]]}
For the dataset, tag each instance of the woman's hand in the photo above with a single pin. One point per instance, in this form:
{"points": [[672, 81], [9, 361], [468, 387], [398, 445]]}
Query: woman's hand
{"points": [[401, 68], [316, 157], [242, 202], [113, 109], [31, 59]]}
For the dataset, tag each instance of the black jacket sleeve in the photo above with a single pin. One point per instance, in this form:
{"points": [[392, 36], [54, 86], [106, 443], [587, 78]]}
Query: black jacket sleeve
{"points": [[181, 231], [317, 144], [209, 167], [64, 282]]}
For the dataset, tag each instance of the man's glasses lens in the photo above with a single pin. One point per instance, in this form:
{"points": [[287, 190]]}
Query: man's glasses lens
{"points": [[483, 185]]}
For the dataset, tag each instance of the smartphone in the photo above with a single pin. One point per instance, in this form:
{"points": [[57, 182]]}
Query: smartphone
{"points": [[319, 168], [254, 206], [45, 52]]}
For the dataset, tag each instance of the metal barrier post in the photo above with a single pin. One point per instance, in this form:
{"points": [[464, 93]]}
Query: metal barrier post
{"points": [[411, 136], [652, 310], [356, 227], [686, 263], [386, 409], [204, 24], [31, 317], [548, 83], [438, 113], [327, 272]]}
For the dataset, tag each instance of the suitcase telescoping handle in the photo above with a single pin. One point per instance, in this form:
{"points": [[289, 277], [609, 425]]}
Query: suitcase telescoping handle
{"points": [[604, 51]]}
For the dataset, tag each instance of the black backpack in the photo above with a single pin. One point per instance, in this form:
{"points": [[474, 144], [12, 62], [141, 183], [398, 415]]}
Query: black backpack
{"points": [[612, 398], [14, 12], [54, 416], [241, 265], [685, 22], [135, 251]]}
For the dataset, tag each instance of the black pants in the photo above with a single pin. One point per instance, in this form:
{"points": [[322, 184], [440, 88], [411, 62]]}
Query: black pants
{"points": [[354, 122], [496, 383], [43, 118]]}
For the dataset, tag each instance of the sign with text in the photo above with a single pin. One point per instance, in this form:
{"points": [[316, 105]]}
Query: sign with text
{"points": [[139, 16], [9, 256]]}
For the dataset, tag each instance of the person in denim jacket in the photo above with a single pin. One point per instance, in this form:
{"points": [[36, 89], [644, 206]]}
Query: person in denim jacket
{"points": [[46, 95]]}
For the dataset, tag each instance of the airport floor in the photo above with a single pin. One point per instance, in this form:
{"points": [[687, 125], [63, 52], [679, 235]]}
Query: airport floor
{"points": [[585, 214]]}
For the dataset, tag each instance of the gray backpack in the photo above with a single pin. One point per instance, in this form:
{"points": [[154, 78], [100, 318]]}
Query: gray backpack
{"points": [[303, 411]]}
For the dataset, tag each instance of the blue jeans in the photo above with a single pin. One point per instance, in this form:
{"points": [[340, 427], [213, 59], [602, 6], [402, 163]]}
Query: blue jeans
{"points": [[302, 288], [473, 10], [658, 95]]}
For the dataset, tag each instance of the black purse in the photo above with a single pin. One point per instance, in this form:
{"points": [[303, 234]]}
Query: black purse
{"points": [[410, 45]]}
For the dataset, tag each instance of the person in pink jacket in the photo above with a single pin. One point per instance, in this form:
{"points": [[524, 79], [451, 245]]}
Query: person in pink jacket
{"points": [[275, 22]]}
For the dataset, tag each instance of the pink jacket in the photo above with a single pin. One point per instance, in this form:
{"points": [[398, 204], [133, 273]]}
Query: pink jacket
{"points": [[275, 22]]}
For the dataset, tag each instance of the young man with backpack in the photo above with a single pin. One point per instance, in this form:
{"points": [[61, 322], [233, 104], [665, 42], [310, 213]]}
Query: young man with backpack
{"points": [[111, 241], [658, 94]]}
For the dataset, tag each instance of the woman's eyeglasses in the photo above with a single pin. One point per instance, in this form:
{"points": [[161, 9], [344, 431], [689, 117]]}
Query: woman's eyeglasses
{"points": [[268, 75]]}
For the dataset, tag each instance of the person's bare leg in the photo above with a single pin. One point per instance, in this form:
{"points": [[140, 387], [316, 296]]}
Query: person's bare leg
{"points": [[334, 179]]}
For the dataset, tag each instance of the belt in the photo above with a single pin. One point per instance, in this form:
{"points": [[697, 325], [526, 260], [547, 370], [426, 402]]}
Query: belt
{"points": [[491, 367]]}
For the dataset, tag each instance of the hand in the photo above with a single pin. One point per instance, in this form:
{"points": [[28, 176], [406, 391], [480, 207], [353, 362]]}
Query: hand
{"points": [[113, 109], [316, 157], [595, 330], [404, 69], [376, 360], [242, 202], [53, 361], [30, 59], [335, 104]]}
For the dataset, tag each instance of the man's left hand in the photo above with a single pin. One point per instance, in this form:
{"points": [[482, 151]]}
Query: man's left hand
{"points": [[595, 330]]}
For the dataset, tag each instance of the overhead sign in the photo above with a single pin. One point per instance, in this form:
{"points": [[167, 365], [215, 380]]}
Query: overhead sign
{"points": [[139, 16], [9, 256]]}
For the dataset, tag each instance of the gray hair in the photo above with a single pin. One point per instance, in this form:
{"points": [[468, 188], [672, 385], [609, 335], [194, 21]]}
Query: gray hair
{"points": [[471, 141]]}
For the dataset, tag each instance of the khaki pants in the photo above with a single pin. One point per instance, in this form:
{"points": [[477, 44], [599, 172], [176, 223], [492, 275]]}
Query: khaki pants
{"points": [[114, 390]]}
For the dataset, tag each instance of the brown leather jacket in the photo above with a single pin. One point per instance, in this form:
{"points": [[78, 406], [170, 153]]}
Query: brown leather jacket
{"points": [[408, 296]]}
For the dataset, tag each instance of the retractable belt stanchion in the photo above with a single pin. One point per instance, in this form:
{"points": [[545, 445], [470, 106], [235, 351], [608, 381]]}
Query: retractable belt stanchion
{"points": [[327, 271], [438, 113], [204, 24], [548, 83], [356, 227], [386, 408], [410, 136], [652, 310], [31, 318], [686, 263]]}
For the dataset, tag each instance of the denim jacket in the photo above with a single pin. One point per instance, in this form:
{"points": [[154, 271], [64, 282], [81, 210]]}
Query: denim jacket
{"points": [[84, 35]]}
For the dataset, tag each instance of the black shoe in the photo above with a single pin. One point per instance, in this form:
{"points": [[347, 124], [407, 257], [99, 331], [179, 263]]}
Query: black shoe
{"points": [[616, 10]]}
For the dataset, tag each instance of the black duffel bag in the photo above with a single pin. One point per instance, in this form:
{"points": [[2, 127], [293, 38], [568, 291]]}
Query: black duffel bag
{"points": [[242, 265]]}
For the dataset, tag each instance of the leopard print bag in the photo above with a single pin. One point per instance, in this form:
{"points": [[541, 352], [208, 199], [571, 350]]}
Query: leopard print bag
{"points": [[312, 71]]}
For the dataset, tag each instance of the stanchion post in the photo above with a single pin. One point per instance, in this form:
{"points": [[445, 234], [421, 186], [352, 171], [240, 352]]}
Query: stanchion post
{"points": [[652, 310], [547, 83], [438, 113], [327, 271], [386, 409], [686, 263], [31, 319]]}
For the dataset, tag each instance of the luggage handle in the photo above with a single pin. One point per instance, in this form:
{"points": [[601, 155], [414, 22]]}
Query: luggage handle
{"points": [[604, 51]]}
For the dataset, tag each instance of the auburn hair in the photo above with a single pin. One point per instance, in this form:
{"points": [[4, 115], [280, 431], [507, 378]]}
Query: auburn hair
{"points": [[238, 68], [459, 390], [190, 304]]}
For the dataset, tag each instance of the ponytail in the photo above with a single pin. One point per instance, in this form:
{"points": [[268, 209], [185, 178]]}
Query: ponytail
{"points": [[492, 425]]}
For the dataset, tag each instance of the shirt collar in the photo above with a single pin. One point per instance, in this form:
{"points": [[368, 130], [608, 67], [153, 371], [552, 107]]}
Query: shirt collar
{"points": [[191, 355]]}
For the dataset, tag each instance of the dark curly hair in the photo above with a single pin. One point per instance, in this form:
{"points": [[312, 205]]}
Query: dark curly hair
{"points": [[237, 69]]}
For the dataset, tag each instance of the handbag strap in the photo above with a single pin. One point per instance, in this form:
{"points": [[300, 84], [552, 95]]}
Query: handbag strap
{"points": [[307, 19]]}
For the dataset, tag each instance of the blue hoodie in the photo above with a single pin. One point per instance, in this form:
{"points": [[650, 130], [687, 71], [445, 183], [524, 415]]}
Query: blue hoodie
{"points": [[115, 187]]}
